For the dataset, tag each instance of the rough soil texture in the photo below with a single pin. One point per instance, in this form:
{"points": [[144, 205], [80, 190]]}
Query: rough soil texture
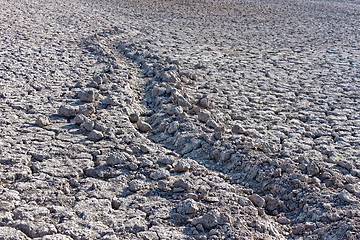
{"points": [[179, 119]]}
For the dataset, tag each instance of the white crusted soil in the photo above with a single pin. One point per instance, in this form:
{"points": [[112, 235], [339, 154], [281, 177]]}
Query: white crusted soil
{"points": [[179, 119]]}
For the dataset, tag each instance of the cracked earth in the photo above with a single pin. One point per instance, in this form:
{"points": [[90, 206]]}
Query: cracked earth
{"points": [[179, 119]]}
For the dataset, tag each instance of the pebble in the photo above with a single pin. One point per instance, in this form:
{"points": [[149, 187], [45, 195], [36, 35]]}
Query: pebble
{"points": [[133, 166], [238, 129], [68, 111], [144, 126], [200, 227], [219, 133], [136, 185], [95, 135], [87, 109], [112, 101], [166, 160], [208, 221], [87, 125], [346, 196], [42, 121], [271, 203], [134, 117], [313, 168], [173, 127], [79, 119], [299, 229], [211, 199], [88, 96], [159, 174], [284, 220], [257, 200], [345, 164], [205, 102], [212, 124], [189, 206], [117, 158], [183, 184], [203, 116], [182, 166], [145, 149]]}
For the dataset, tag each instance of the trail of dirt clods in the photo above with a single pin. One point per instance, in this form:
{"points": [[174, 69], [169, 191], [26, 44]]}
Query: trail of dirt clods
{"points": [[179, 119]]}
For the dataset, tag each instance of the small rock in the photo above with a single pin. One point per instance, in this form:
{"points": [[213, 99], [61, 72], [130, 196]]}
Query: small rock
{"points": [[113, 101], [166, 160], [145, 162], [195, 232], [136, 185], [345, 164], [174, 126], [203, 116], [163, 186], [257, 200], [67, 111], [148, 235], [189, 206], [313, 168], [211, 199], [158, 91], [200, 227], [178, 189], [159, 174], [89, 96], [213, 232], [205, 102], [203, 191], [42, 121], [309, 226], [219, 133], [95, 135], [144, 126], [346, 196], [79, 119], [87, 125], [87, 110], [299, 229], [100, 126], [271, 203], [175, 110], [145, 149], [133, 166], [134, 117], [261, 211], [238, 129], [40, 156], [183, 184], [209, 220], [182, 166], [116, 159], [212, 124], [100, 78], [243, 201], [36, 229], [353, 188], [284, 220], [200, 66]]}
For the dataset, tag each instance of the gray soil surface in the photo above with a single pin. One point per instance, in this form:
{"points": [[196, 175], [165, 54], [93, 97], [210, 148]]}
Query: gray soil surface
{"points": [[179, 119]]}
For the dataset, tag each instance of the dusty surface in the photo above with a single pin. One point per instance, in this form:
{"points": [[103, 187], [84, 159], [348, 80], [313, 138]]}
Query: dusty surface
{"points": [[179, 119]]}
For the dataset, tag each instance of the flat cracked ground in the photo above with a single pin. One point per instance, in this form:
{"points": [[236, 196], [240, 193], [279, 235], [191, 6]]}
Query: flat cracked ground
{"points": [[179, 119]]}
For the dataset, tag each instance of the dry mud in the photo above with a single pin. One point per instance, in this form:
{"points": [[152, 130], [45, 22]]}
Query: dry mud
{"points": [[179, 119]]}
